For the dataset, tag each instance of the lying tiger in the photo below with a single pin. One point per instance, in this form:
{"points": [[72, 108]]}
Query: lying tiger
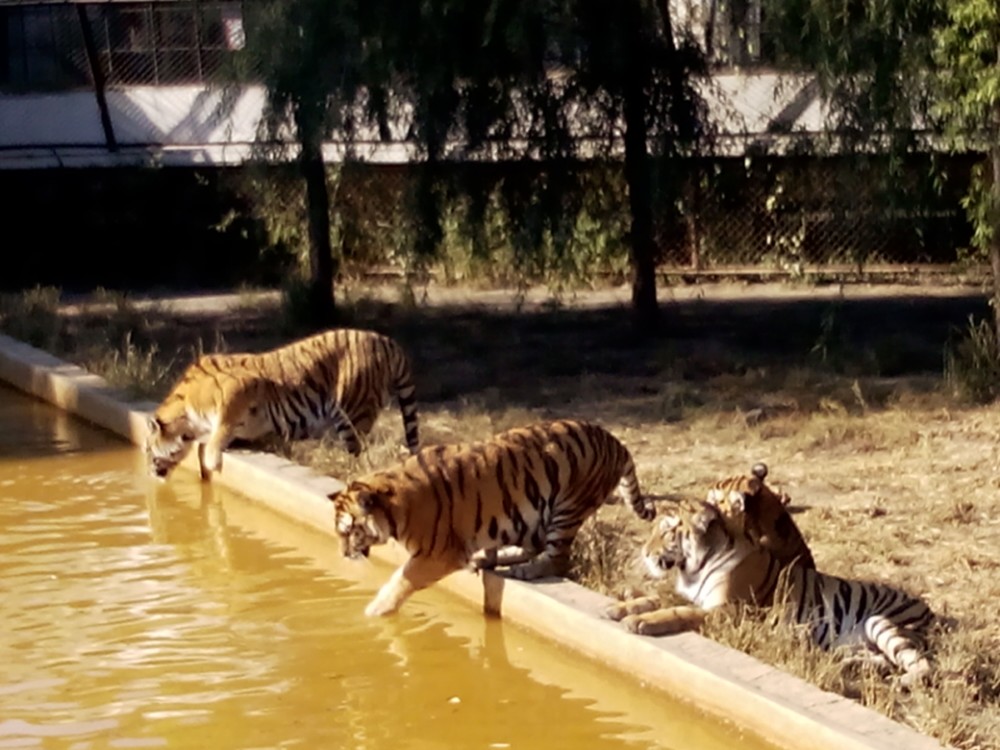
{"points": [[339, 379], [762, 514], [530, 488], [718, 563]]}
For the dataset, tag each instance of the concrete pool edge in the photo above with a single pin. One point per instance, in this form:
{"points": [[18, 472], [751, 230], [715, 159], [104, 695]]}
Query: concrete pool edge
{"points": [[781, 709]]}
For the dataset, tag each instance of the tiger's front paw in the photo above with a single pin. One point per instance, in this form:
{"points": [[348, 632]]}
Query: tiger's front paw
{"points": [[636, 624], [209, 459], [379, 608], [617, 611]]}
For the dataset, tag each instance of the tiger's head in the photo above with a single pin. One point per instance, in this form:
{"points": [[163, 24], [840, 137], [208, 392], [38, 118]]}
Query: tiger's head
{"points": [[762, 514], [362, 517], [716, 563], [685, 539], [167, 443]]}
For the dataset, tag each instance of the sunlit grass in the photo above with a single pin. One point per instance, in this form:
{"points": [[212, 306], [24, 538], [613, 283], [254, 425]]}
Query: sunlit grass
{"points": [[892, 479]]}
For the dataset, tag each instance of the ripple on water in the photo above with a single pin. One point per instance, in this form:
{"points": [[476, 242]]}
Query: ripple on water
{"points": [[142, 615]]}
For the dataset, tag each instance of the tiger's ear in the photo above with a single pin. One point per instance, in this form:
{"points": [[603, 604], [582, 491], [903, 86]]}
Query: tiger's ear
{"points": [[153, 425], [369, 498], [705, 517]]}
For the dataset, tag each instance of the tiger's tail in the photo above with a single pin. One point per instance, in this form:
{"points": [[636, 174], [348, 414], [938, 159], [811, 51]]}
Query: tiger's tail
{"points": [[628, 486]]}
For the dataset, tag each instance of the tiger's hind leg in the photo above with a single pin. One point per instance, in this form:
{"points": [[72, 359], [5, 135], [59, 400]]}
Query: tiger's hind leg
{"points": [[901, 646], [526, 565], [405, 394], [490, 558], [349, 435]]}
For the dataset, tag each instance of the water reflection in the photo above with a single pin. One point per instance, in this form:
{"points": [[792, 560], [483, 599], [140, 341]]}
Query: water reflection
{"points": [[144, 614]]}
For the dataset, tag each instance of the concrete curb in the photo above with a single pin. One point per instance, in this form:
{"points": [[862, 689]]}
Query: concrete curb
{"points": [[781, 709]]}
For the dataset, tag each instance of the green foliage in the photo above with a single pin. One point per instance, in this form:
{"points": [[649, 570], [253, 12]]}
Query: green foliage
{"points": [[273, 200], [982, 206], [32, 316], [870, 60], [967, 53], [139, 371], [972, 365], [512, 80]]}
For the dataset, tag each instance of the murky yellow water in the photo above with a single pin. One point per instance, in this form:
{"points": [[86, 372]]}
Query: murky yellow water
{"points": [[135, 614]]}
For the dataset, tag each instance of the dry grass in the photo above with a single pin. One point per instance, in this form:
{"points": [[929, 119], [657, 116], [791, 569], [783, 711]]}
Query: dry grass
{"points": [[891, 476]]}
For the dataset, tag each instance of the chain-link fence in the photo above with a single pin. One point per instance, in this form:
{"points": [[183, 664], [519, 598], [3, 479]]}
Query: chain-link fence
{"points": [[758, 214], [788, 216], [65, 46]]}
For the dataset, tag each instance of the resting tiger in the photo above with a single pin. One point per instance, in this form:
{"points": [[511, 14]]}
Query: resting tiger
{"points": [[530, 487], [763, 514], [718, 564], [338, 379]]}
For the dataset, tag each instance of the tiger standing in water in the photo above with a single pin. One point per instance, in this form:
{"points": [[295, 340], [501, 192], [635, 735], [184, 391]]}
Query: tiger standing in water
{"points": [[529, 488], [339, 379]]}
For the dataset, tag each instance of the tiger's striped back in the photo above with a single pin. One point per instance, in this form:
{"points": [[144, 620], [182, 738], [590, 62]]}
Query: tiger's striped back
{"points": [[344, 377], [519, 497], [842, 612], [718, 564], [340, 379], [763, 515]]}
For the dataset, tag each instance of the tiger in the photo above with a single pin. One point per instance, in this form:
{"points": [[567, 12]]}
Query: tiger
{"points": [[764, 515], [718, 564], [340, 378], [516, 500]]}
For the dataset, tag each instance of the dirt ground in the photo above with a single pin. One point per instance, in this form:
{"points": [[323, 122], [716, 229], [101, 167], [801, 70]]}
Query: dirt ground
{"points": [[839, 389]]}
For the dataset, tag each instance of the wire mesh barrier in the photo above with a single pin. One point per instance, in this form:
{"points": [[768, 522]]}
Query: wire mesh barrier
{"points": [[47, 47], [776, 217], [757, 214]]}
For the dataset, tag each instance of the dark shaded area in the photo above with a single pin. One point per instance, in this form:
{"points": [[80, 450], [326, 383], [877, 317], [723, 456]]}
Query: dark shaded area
{"points": [[133, 229], [730, 352]]}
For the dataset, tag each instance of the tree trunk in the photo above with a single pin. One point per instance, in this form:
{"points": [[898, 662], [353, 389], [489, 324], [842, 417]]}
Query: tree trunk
{"points": [[321, 266], [640, 199], [995, 241]]}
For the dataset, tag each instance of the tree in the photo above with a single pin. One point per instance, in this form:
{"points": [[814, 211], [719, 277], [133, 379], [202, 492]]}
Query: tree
{"points": [[891, 69], [630, 58], [967, 54], [308, 56], [545, 82]]}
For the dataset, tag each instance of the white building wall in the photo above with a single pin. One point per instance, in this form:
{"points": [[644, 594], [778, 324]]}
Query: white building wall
{"points": [[181, 125]]}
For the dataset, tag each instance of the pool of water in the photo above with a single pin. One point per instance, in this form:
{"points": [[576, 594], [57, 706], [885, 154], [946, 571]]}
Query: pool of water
{"points": [[142, 614]]}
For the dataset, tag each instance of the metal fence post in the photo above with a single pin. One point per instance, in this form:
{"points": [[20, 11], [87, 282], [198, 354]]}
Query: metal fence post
{"points": [[96, 76]]}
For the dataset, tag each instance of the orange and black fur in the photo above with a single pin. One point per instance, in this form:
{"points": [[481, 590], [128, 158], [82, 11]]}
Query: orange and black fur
{"points": [[529, 488], [749, 507], [763, 514], [717, 564], [339, 379]]}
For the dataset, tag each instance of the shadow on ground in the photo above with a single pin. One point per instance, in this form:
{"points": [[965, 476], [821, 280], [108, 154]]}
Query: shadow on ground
{"points": [[732, 352]]}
